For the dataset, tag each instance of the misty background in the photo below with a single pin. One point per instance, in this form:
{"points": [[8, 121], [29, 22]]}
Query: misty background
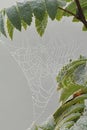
{"points": [[29, 65]]}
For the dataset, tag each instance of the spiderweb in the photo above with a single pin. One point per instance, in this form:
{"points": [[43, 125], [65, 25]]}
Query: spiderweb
{"points": [[40, 59]]}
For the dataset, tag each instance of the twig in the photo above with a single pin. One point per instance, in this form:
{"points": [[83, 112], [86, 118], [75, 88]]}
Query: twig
{"points": [[80, 13], [67, 11]]}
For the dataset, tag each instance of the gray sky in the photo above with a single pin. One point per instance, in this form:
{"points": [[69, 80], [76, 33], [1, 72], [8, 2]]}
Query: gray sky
{"points": [[42, 57]]}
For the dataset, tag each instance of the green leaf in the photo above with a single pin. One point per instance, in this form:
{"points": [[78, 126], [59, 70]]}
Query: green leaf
{"points": [[41, 25], [25, 12], [21, 14], [59, 14], [52, 6], [70, 7], [24, 25], [67, 71], [83, 3], [72, 117], [2, 28], [75, 19], [10, 28], [68, 104], [68, 82], [14, 17], [68, 124], [67, 92], [84, 28], [79, 107], [39, 9]]}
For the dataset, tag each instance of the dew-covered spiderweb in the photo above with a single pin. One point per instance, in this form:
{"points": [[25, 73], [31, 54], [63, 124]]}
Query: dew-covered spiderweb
{"points": [[40, 59]]}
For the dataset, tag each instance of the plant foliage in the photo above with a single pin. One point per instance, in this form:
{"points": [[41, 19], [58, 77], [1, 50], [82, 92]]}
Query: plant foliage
{"points": [[21, 14], [72, 81]]}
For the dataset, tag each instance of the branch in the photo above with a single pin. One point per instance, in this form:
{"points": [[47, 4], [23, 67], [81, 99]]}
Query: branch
{"points": [[67, 11], [80, 14]]}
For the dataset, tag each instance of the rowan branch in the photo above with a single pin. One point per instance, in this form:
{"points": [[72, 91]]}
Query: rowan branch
{"points": [[80, 13]]}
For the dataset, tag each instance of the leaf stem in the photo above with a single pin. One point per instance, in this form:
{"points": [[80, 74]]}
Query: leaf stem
{"points": [[80, 15], [67, 11]]}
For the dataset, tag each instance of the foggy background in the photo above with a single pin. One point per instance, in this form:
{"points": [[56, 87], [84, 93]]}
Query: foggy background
{"points": [[29, 65]]}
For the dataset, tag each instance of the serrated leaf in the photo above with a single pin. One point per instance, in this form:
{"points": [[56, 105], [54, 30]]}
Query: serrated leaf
{"points": [[39, 9], [70, 7], [10, 28], [68, 124], [67, 92], [79, 107], [71, 117], [52, 6], [68, 104], [25, 12], [73, 8], [2, 28], [16, 14], [68, 81], [83, 3], [24, 25], [41, 25], [14, 17], [59, 14]]}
